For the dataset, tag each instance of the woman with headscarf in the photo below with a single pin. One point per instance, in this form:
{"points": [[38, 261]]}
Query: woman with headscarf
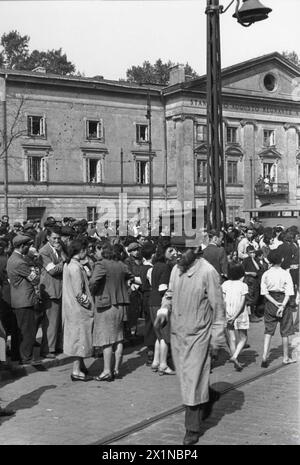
{"points": [[108, 284], [77, 310], [159, 277]]}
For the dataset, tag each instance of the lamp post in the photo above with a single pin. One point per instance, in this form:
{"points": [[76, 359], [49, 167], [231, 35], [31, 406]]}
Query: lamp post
{"points": [[250, 12], [122, 187], [148, 116]]}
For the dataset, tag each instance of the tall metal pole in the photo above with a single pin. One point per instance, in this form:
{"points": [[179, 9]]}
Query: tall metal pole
{"points": [[5, 152], [216, 208], [122, 187], [5, 158], [148, 116]]}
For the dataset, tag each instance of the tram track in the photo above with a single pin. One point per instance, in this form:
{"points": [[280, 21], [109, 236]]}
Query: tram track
{"points": [[125, 432]]}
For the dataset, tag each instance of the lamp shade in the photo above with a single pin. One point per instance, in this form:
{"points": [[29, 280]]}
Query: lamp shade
{"points": [[252, 11]]}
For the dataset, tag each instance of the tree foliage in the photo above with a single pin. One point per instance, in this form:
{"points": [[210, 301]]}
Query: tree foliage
{"points": [[15, 55], [157, 73], [292, 56]]}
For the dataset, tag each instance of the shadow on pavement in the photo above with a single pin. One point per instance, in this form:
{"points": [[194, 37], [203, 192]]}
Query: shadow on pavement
{"points": [[127, 367], [247, 357], [220, 405], [275, 353], [26, 401], [223, 356]]}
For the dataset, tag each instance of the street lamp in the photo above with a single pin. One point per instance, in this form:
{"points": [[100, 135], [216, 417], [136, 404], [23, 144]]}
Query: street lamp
{"points": [[250, 12], [148, 116]]}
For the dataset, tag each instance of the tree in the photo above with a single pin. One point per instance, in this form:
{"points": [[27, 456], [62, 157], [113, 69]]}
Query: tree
{"points": [[54, 61], [292, 56], [15, 55], [15, 50], [158, 73]]}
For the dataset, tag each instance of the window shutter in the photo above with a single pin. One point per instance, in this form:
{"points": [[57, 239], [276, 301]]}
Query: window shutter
{"points": [[44, 169], [87, 129], [87, 170], [147, 134], [29, 125], [147, 172], [29, 169], [100, 129], [99, 171], [42, 127], [137, 171], [235, 173]]}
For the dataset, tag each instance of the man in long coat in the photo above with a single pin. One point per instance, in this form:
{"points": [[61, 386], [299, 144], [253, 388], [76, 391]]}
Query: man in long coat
{"points": [[195, 306], [51, 260]]}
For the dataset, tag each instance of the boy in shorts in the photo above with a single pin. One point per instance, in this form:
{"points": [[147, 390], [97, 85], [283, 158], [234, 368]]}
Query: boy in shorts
{"points": [[277, 287]]}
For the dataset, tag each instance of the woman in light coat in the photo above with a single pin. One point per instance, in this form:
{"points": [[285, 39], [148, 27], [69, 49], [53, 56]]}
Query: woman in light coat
{"points": [[77, 310], [195, 307]]}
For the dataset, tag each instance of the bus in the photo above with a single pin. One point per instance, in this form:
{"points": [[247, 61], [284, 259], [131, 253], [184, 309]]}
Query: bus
{"points": [[277, 214]]}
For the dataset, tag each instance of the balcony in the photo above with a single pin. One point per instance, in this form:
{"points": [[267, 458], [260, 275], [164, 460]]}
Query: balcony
{"points": [[272, 190]]}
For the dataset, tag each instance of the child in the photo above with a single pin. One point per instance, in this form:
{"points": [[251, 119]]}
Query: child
{"points": [[277, 287], [234, 293]]}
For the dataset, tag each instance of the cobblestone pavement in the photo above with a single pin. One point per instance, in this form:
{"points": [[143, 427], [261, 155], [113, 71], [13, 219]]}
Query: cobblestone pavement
{"points": [[263, 412], [51, 409]]}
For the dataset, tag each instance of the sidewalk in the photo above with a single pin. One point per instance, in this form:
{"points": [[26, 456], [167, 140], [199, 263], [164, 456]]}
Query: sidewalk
{"points": [[62, 412], [14, 370]]}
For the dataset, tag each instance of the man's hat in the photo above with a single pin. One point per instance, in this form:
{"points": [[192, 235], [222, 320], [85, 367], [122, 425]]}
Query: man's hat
{"points": [[19, 240], [28, 226], [17, 224], [133, 246], [67, 231]]}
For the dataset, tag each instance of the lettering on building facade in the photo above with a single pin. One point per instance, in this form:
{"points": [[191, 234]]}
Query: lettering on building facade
{"points": [[249, 108]]}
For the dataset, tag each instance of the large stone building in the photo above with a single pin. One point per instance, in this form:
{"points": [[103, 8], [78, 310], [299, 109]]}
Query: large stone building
{"points": [[65, 135]]}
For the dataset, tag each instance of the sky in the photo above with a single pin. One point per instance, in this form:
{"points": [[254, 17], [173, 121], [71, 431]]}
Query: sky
{"points": [[106, 37]]}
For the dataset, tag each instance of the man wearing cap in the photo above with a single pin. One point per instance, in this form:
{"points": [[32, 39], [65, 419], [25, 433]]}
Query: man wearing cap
{"points": [[134, 263], [22, 280], [41, 237], [51, 259], [17, 228]]}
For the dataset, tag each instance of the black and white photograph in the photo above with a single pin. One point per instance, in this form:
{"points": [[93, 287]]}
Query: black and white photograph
{"points": [[149, 226]]}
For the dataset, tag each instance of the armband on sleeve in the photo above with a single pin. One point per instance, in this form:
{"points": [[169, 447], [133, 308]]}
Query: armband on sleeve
{"points": [[50, 266]]}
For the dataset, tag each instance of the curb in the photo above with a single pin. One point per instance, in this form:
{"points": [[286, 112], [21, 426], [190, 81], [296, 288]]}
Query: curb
{"points": [[16, 371]]}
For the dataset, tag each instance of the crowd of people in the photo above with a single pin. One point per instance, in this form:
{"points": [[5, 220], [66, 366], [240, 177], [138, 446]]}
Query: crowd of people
{"points": [[87, 288]]}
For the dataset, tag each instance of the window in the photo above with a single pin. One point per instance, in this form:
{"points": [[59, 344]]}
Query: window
{"points": [[232, 172], [232, 212], [201, 133], [142, 133], [270, 82], [92, 214], [269, 169], [142, 172], [37, 169], [34, 213], [94, 129], [201, 171], [269, 137], [94, 170], [36, 126], [231, 134], [298, 175]]}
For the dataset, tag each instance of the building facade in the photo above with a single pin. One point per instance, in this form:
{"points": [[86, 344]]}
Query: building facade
{"points": [[65, 136]]}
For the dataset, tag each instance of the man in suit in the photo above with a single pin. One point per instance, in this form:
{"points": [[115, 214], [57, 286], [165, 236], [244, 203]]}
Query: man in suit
{"points": [[23, 279], [215, 254], [51, 260]]}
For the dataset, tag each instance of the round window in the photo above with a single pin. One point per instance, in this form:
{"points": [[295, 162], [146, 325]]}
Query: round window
{"points": [[270, 82]]}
